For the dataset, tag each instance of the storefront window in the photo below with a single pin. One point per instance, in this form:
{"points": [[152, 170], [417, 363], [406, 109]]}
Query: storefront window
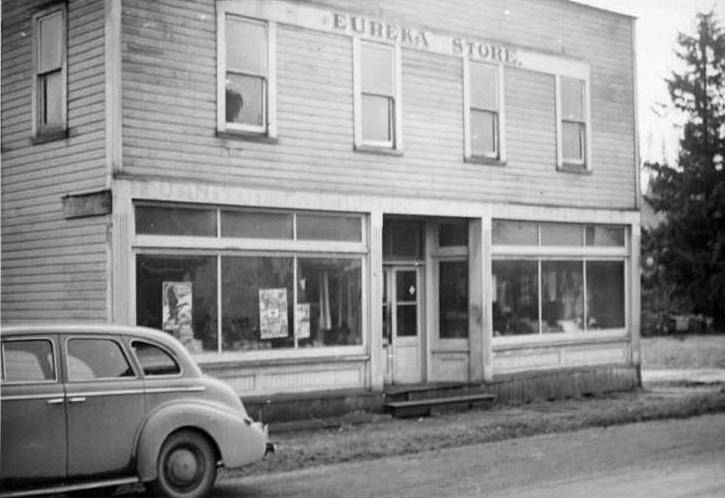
{"points": [[598, 235], [402, 239], [178, 294], [257, 303], [327, 227], [162, 220], [561, 234], [329, 302], [453, 233], [256, 225], [515, 297], [605, 291], [507, 232], [453, 299], [562, 305]]}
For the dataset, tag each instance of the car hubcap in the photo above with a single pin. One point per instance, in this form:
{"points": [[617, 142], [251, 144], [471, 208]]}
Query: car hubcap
{"points": [[182, 467]]}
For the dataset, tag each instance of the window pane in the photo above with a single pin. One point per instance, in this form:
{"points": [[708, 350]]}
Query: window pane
{"points": [[572, 99], [484, 87], [377, 118], [402, 239], [377, 69], [407, 320], [562, 305], [507, 232], [484, 131], [159, 220], [453, 299], [50, 42], [257, 303], [324, 227], [245, 99], [600, 235], [453, 233], [52, 93], [329, 306], [572, 141], [562, 234], [256, 225], [605, 294], [515, 297], [178, 294], [154, 360], [96, 359], [246, 46], [28, 361], [406, 286]]}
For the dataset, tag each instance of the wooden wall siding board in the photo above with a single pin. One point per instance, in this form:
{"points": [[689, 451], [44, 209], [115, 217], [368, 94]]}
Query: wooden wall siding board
{"points": [[53, 268], [314, 100]]}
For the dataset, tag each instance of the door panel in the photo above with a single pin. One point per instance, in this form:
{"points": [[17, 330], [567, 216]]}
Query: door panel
{"points": [[404, 309], [33, 435], [105, 407]]}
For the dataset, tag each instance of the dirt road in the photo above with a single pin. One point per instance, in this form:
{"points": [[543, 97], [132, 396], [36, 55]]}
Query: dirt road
{"points": [[674, 458]]}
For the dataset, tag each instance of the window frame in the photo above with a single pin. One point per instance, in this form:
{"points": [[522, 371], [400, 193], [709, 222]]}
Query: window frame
{"points": [[39, 130], [395, 145], [218, 247], [567, 164], [582, 254], [269, 103], [140, 365], [499, 157]]}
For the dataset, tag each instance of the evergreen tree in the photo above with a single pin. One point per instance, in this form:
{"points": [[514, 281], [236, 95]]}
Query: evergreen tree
{"points": [[690, 244]]}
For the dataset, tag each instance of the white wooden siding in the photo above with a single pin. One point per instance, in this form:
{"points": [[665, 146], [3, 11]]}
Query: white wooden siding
{"points": [[53, 268], [169, 107]]}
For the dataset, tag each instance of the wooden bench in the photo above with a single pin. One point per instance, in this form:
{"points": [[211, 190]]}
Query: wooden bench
{"points": [[422, 407]]}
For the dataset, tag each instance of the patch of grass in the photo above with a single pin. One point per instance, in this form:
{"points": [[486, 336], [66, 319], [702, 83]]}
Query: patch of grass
{"points": [[691, 351]]}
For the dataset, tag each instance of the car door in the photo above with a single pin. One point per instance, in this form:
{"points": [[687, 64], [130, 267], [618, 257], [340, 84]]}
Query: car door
{"points": [[105, 406], [33, 434]]}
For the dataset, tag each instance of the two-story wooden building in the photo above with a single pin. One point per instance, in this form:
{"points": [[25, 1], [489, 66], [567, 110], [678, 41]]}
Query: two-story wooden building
{"points": [[330, 195]]}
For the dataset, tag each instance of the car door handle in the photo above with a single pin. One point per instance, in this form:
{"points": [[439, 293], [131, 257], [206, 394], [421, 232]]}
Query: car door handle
{"points": [[77, 399], [54, 401]]}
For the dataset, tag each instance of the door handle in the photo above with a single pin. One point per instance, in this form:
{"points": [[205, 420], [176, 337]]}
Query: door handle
{"points": [[77, 399], [54, 401]]}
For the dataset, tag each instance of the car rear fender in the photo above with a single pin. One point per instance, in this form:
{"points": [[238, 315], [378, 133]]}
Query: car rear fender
{"points": [[238, 439]]}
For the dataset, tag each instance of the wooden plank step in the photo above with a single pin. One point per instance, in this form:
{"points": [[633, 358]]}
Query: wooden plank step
{"points": [[422, 407]]}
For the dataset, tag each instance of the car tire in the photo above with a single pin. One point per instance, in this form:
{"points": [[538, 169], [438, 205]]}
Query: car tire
{"points": [[186, 466]]}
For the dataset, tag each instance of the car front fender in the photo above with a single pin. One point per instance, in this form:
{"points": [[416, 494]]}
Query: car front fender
{"points": [[239, 440]]}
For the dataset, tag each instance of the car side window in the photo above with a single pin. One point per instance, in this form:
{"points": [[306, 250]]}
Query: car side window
{"points": [[95, 358], [154, 360], [29, 360]]}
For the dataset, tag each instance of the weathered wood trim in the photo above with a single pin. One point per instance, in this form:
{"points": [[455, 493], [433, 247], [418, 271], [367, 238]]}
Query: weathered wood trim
{"points": [[503, 343], [167, 190], [113, 84], [477, 366], [87, 204], [375, 329], [635, 103], [634, 299]]}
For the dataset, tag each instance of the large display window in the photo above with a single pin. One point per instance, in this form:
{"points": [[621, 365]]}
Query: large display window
{"points": [[235, 299], [552, 278]]}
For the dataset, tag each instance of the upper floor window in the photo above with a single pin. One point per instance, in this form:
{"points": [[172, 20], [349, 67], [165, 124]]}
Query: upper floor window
{"points": [[49, 68], [484, 107], [246, 87], [573, 143], [377, 97]]}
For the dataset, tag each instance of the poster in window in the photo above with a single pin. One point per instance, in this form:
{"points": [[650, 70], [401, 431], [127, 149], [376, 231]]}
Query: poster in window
{"points": [[302, 321], [177, 306], [272, 313]]}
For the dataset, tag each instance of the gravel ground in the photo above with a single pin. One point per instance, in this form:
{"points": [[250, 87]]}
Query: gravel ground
{"points": [[375, 436]]}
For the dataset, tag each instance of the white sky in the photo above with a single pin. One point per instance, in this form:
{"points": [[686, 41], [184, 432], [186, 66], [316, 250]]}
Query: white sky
{"points": [[658, 22]]}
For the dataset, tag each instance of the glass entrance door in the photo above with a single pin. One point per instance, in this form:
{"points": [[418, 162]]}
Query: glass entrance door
{"points": [[402, 306]]}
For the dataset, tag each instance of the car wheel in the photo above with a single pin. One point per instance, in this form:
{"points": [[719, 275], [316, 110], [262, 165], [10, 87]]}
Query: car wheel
{"points": [[186, 466]]}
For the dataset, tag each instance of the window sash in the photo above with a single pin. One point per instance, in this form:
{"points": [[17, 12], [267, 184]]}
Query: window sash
{"points": [[384, 135], [259, 110], [484, 133], [49, 67], [573, 139]]}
